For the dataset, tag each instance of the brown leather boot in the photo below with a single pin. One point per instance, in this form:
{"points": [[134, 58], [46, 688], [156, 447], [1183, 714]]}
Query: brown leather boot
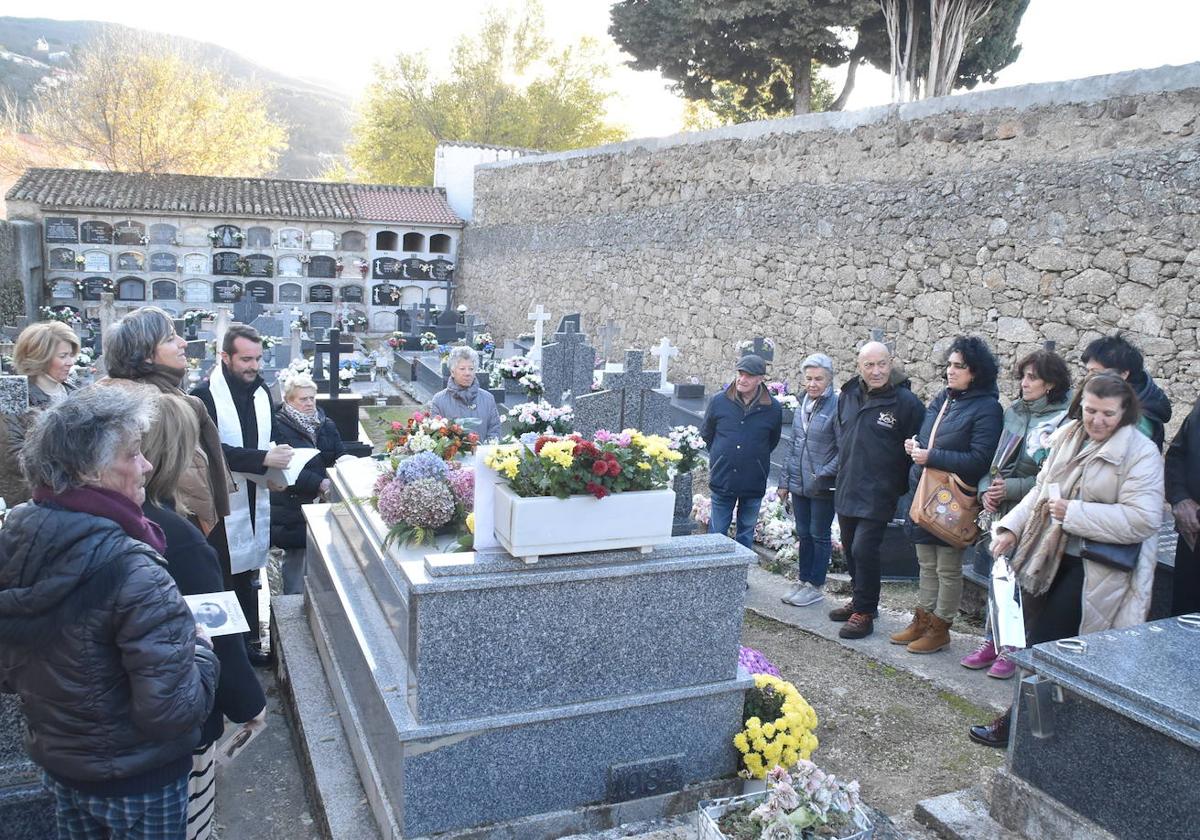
{"points": [[914, 631], [935, 638]]}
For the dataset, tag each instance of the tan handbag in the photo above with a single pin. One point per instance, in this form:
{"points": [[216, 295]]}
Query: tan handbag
{"points": [[943, 504]]}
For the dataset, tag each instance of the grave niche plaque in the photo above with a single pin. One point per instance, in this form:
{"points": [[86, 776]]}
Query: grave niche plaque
{"points": [[261, 291], [226, 262], [165, 290], [260, 265], [321, 293], [62, 230], [97, 261], [131, 262], [291, 293], [93, 287], [415, 269], [227, 236], [129, 233], [96, 233], [352, 294], [163, 262], [441, 269], [63, 289], [386, 268], [325, 267], [227, 291], [385, 294], [62, 258], [162, 234]]}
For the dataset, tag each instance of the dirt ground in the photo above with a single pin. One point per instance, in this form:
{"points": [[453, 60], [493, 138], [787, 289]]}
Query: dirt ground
{"points": [[901, 738]]}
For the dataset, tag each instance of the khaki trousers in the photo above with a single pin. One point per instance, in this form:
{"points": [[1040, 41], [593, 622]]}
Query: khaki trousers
{"points": [[940, 589]]}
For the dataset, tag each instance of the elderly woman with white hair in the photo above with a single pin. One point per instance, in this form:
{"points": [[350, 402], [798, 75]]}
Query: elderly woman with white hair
{"points": [[809, 475], [301, 425], [463, 400]]}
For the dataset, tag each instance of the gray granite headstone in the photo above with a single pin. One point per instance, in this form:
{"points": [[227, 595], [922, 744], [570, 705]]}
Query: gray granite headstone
{"points": [[283, 355], [269, 325], [197, 349], [14, 394], [628, 401], [608, 335], [246, 310], [573, 318], [472, 327], [567, 365]]}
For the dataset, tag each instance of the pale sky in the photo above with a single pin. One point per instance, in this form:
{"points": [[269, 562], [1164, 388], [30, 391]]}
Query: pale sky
{"points": [[337, 45]]}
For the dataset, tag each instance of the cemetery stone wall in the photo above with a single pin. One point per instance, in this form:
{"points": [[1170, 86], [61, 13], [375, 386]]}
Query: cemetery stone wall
{"points": [[1055, 211]]}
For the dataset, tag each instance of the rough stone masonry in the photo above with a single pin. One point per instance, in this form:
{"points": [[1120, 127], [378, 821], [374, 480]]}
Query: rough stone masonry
{"points": [[1053, 211]]}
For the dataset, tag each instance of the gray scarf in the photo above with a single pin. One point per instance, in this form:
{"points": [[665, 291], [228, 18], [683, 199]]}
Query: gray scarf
{"points": [[308, 423]]}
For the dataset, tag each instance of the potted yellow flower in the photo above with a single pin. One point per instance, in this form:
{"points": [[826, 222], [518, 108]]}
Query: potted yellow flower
{"points": [[779, 727]]}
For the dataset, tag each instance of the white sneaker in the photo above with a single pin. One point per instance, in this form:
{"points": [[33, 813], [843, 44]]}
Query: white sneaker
{"points": [[811, 595], [795, 591]]}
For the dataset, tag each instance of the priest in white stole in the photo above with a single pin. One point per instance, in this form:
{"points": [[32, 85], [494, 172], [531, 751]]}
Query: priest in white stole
{"points": [[238, 401]]}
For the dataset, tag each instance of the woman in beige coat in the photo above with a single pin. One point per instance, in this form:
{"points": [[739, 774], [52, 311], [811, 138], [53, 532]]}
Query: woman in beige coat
{"points": [[1103, 481]]}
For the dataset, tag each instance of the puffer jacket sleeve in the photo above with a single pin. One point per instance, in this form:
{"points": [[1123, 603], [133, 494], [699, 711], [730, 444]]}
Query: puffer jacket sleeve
{"points": [[1138, 512], [172, 680], [792, 467], [987, 422]]}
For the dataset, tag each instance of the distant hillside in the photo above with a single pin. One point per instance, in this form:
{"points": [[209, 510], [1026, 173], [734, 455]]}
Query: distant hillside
{"points": [[318, 118]]}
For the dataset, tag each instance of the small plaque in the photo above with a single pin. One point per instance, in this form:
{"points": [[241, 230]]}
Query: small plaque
{"points": [[651, 777], [62, 230]]}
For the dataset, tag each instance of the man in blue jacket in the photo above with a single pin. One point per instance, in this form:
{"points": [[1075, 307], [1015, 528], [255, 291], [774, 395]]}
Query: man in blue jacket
{"points": [[742, 425]]}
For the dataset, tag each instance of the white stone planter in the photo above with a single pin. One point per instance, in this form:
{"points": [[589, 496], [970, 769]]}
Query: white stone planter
{"points": [[531, 527], [711, 810]]}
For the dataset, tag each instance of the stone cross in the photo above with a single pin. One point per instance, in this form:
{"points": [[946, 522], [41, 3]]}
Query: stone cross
{"points": [[333, 347], [629, 400], [295, 342], [539, 316], [608, 334], [428, 306], [567, 365], [472, 327], [665, 352]]}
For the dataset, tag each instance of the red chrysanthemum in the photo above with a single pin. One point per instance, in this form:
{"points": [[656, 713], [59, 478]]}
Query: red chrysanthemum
{"points": [[599, 469], [597, 490]]}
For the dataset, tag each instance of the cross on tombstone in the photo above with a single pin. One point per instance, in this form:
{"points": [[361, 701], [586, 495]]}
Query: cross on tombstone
{"points": [[567, 365], [665, 352], [333, 348], [608, 334], [472, 327], [629, 400], [571, 318], [224, 317], [428, 306], [539, 316]]}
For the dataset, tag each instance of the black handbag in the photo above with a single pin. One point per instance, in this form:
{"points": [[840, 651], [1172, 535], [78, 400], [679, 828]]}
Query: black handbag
{"points": [[1113, 555]]}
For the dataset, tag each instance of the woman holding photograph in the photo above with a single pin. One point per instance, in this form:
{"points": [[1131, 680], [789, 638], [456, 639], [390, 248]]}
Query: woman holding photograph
{"points": [[1098, 495], [192, 562]]}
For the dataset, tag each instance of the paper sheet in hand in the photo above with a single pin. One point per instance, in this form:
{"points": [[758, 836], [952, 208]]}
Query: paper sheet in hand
{"points": [[232, 746], [1008, 617], [219, 612], [300, 458]]}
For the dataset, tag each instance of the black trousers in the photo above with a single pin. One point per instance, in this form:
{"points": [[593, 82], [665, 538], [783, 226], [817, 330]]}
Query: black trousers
{"points": [[861, 539], [1061, 609], [242, 584], [1185, 594]]}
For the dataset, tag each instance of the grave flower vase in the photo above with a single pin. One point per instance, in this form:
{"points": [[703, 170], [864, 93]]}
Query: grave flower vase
{"points": [[710, 812], [533, 526]]}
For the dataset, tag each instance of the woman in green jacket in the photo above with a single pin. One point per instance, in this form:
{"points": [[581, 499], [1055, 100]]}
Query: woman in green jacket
{"points": [[1029, 422]]}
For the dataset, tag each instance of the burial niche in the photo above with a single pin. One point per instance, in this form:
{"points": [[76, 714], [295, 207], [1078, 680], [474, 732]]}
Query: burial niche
{"points": [[414, 242], [439, 243], [162, 234], [387, 240], [353, 240], [164, 290], [131, 288], [129, 233], [258, 237], [291, 293]]}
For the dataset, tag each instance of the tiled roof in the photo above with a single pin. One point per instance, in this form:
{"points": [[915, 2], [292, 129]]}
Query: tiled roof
{"points": [[470, 145], [83, 189]]}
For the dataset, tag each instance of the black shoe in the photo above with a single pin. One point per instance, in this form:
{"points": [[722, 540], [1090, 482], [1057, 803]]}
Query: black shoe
{"points": [[260, 658], [858, 626], [994, 734]]}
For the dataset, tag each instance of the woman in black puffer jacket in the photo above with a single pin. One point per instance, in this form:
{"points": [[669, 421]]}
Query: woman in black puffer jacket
{"points": [[94, 635], [301, 425], [964, 444]]}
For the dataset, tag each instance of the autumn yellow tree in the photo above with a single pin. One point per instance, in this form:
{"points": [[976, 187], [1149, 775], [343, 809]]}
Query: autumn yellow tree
{"points": [[135, 102]]}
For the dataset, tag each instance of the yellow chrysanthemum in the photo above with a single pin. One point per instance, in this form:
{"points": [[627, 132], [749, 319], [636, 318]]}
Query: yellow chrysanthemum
{"points": [[471, 522], [741, 742]]}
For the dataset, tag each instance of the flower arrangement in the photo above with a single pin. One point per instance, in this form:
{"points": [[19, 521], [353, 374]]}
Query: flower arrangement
{"points": [[79, 262], [748, 345], [702, 509], [540, 418], [301, 323], [515, 367], [429, 341], [83, 363], [420, 494], [360, 321], [81, 286], [396, 341], [362, 265], [571, 465], [789, 401], [755, 663], [59, 313], [803, 803], [484, 343], [193, 317], [687, 442], [430, 433], [779, 727], [532, 383], [347, 371], [774, 528], [295, 366], [779, 390], [269, 341]]}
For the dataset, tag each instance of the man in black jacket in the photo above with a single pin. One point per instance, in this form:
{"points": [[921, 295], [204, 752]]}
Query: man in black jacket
{"points": [[876, 413], [238, 401], [1118, 354], [1182, 474], [742, 425]]}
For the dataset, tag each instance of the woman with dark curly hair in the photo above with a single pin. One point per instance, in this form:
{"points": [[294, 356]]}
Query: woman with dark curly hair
{"points": [[968, 419]]}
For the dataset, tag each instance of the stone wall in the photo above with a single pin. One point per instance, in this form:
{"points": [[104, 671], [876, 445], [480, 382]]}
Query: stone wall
{"points": [[1056, 211]]}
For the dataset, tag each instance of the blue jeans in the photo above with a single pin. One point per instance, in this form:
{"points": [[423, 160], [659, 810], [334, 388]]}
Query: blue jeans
{"points": [[747, 516], [813, 520]]}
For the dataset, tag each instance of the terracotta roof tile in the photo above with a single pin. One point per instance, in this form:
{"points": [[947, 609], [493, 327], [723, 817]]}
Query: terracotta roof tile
{"points": [[82, 189]]}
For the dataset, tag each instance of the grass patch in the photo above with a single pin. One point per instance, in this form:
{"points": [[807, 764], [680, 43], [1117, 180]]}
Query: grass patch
{"points": [[380, 419], [965, 707]]}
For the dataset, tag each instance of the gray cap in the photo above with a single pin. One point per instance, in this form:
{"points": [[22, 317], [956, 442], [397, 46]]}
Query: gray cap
{"points": [[753, 365]]}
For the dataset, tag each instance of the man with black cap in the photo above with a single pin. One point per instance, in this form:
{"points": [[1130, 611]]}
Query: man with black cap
{"points": [[741, 428]]}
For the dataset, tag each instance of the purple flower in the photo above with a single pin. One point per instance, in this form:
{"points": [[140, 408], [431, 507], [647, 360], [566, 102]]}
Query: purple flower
{"points": [[421, 465], [425, 503], [755, 663], [462, 485], [603, 436]]}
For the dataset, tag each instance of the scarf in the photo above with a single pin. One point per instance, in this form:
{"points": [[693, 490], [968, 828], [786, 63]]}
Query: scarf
{"points": [[468, 395], [307, 423], [108, 504], [169, 380], [1042, 542]]}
